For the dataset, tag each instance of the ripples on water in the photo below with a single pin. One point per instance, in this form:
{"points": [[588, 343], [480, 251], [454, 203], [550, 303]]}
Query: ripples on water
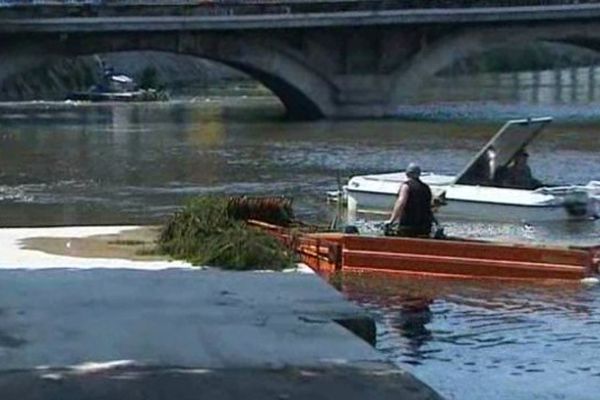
{"points": [[143, 160], [474, 340], [137, 163]]}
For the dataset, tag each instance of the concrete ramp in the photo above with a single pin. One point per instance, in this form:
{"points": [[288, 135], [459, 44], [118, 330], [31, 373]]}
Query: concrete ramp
{"points": [[179, 334]]}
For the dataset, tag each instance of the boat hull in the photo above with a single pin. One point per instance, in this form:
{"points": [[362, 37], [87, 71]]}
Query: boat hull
{"points": [[140, 95], [382, 203], [462, 259], [333, 252]]}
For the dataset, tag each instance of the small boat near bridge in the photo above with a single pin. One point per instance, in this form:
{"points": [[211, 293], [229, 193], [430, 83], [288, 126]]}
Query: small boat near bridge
{"points": [[117, 87]]}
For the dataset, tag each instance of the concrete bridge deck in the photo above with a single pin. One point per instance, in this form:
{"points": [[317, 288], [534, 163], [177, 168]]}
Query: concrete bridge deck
{"points": [[173, 22]]}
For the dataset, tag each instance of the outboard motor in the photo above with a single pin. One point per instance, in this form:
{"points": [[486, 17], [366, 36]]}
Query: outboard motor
{"points": [[576, 204]]}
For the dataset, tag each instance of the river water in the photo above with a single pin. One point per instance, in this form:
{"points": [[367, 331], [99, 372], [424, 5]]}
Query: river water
{"points": [[78, 164]]}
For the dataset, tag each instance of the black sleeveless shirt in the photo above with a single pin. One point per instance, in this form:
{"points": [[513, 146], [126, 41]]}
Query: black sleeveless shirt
{"points": [[417, 210]]}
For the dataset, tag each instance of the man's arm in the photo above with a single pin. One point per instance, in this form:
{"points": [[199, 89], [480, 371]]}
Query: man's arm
{"points": [[399, 204]]}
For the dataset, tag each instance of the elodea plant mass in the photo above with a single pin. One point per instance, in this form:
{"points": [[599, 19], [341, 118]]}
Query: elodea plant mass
{"points": [[207, 231]]}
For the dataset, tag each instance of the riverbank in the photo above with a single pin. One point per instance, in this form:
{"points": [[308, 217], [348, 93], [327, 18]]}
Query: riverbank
{"points": [[89, 247], [136, 243], [83, 247]]}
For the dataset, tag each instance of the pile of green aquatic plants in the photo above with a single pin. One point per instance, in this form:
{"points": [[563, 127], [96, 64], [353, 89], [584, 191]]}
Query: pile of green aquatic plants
{"points": [[212, 231]]}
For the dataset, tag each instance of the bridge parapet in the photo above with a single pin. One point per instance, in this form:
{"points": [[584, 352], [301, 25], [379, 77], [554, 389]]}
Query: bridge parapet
{"points": [[95, 8]]}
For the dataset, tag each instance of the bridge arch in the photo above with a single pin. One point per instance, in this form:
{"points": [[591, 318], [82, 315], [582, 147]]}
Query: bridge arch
{"points": [[304, 93], [338, 67], [469, 42]]}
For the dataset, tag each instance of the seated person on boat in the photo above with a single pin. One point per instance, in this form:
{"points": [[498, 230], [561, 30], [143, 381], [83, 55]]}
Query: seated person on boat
{"points": [[412, 208], [517, 175]]}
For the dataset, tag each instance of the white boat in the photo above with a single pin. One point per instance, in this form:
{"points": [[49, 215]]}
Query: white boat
{"points": [[467, 198]]}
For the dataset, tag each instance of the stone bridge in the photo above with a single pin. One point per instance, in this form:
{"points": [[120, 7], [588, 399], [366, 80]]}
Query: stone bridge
{"points": [[353, 63]]}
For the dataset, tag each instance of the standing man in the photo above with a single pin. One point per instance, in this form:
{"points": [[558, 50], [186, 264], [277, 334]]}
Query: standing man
{"points": [[413, 206]]}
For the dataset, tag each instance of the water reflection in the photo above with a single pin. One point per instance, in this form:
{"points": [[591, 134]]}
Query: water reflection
{"points": [[411, 322], [454, 333]]}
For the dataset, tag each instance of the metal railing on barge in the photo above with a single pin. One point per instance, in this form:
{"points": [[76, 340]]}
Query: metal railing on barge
{"points": [[322, 253], [329, 252]]}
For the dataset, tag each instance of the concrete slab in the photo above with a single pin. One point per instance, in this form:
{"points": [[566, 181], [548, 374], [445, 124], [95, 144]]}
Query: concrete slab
{"points": [[175, 317], [291, 383], [114, 334]]}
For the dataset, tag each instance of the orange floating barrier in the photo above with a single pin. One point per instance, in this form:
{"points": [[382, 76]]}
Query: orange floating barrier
{"points": [[454, 258]]}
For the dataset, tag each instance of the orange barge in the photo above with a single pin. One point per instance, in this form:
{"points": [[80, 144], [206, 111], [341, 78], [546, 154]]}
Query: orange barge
{"points": [[456, 258]]}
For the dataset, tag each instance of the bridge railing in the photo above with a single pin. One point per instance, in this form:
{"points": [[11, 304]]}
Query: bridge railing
{"points": [[32, 8], [397, 3]]}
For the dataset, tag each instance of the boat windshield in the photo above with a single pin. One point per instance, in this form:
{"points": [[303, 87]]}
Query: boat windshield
{"points": [[500, 151]]}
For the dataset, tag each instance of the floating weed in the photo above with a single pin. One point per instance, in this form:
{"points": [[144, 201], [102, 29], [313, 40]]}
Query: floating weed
{"points": [[206, 232]]}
